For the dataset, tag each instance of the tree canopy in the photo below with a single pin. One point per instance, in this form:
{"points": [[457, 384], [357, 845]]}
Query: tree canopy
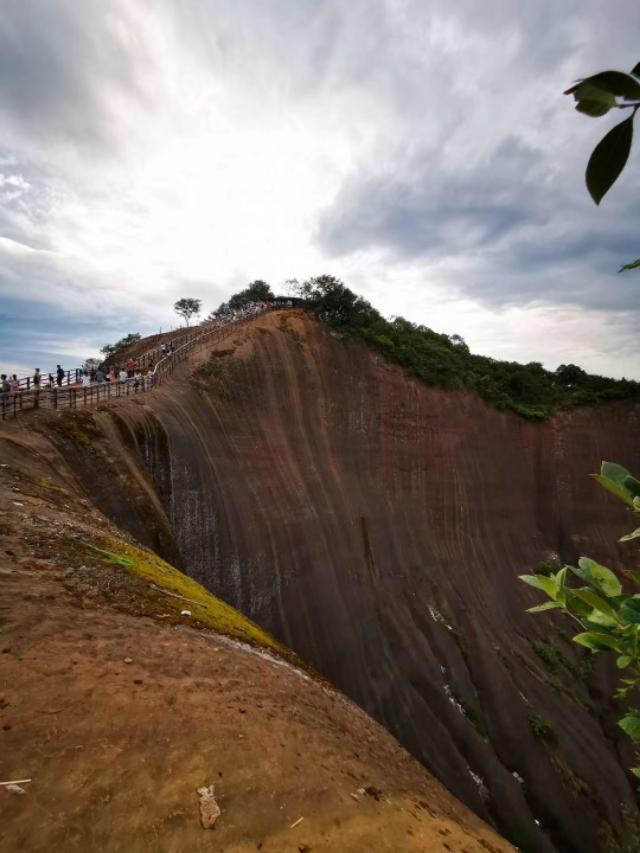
{"points": [[111, 349], [187, 308], [257, 291]]}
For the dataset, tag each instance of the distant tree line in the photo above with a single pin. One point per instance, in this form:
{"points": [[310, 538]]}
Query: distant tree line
{"points": [[109, 350], [445, 361], [440, 360]]}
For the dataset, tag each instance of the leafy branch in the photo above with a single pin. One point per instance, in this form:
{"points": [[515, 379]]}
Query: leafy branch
{"points": [[609, 618], [595, 96]]}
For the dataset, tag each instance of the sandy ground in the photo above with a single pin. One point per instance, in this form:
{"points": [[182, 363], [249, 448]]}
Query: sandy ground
{"points": [[117, 719]]}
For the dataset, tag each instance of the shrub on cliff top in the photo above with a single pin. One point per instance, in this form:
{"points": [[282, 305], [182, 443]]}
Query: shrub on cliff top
{"points": [[445, 361]]}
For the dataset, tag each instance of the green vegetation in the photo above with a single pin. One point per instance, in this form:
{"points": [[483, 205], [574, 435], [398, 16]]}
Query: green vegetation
{"points": [[570, 781], [109, 350], [556, 661], [80, 427], [630, 834], [541, 728], [595, 96], [212, 374], [547, 567], [609, 618], [187, 308], [156, 587], [444, 361], [257, 291]]}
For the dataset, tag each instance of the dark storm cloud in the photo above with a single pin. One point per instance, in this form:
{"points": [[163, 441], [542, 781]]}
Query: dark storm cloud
{"points": [[524, 235], [425, 213], [60, 62]]}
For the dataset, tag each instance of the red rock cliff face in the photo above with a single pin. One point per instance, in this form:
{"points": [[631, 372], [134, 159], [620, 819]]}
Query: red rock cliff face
{"points": [[377, 526]]}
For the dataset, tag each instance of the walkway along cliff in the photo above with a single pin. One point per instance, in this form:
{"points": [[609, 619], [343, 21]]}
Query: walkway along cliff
{"points": [[377, 527]]}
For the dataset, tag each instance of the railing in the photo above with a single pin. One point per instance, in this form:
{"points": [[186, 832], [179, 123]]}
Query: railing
{"points": [[74, 376], [14, 403]]}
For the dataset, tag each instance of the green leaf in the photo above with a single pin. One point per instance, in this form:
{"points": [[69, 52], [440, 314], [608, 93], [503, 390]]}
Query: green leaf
{"points": [[613, 83], [608, 159], [560, 579], [575, 605], [623, 661], [630, 536], [633, 265], [612, 477], [598, 576], [542, 582], [630, 611], [636, 70], [630, 725], [548, 605], [632, 485], [593, 108], [597, 642], [635, 771], [597, 603], [635, 576], [613, 471]]}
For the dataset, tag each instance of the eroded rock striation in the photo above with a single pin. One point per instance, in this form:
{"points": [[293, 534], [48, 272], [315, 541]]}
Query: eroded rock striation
{"points": [[377, 527]]}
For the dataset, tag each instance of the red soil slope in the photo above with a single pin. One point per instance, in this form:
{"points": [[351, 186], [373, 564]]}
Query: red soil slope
{"points": [[117, 708]]}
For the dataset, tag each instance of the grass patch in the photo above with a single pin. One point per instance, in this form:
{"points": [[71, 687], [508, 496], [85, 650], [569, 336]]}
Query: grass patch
{"points": [[78, 427], [159, 588], [541, 728], [556, 662], [214, 368], [572, 783]]}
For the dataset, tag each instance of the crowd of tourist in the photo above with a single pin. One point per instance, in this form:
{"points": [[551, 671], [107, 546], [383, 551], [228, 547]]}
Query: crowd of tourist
{"points": [[134, 371]]}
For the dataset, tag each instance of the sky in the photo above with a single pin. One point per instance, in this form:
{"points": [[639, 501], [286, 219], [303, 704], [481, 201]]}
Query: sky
{"points": [[422, 152]]}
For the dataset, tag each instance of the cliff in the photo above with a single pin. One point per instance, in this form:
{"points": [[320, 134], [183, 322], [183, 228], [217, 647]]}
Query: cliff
{"points": [[377, 527]]}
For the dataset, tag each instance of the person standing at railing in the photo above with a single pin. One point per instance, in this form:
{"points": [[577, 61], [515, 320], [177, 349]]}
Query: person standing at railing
{"points": [[37, 379], [86, 379], [14, 384], [123, 375], [59, 375], [4, 388]]}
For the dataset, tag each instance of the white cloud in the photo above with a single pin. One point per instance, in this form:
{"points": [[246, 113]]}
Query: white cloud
{"points": [[153, 152]]}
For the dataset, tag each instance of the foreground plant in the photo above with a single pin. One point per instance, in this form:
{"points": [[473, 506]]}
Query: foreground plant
{"points": [[595, 96], [609, 618]]}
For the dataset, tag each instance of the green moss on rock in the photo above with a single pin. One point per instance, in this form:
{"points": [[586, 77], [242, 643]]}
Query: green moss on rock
{"points": [[165, 588]]}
